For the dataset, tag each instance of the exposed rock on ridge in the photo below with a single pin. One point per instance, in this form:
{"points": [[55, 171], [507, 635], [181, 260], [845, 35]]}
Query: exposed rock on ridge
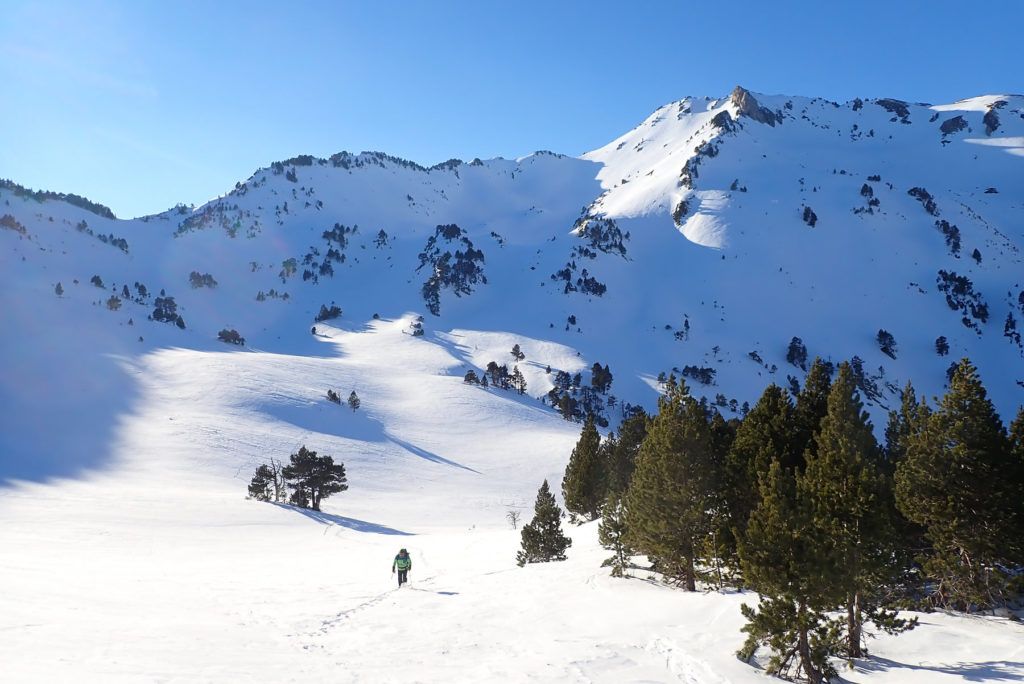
{"points": [[747, 105]]}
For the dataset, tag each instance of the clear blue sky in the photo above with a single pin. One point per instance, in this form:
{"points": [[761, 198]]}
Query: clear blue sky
{"points": [[143, 104]]}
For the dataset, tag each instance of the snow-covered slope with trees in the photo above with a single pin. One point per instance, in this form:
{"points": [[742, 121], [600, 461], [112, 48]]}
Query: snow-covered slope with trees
{"points": [[728, 241]]}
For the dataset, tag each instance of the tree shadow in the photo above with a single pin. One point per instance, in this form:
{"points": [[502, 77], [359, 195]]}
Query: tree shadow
{"points": [[988, 671], [430, 456], [342, 521]]}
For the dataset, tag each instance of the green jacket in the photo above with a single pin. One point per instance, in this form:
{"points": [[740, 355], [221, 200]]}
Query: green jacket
{"points": [[402, 562]]}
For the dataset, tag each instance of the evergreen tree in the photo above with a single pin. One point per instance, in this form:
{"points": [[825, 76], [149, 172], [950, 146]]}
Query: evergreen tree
{"points": [[611, 533], [673, 492], [353, 401], [314, 477], [850, 510], [810, 407], [259, 487], [1016, 540], [903, 424], [583, 486], [780, 554], [542, 538], [518, 381], [763, 436], [720, 547], [622, 450], [957, 480]]}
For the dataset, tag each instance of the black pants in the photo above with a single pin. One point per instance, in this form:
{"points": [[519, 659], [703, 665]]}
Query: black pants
{"points": [[403, 576]]}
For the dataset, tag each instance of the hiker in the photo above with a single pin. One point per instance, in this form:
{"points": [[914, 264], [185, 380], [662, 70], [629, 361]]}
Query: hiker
{"points": [[403, 563]]}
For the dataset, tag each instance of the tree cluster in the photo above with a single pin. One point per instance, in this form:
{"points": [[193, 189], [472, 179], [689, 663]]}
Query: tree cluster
{"points": [[231, 336], [799, 502], [201, 280], [326, 314], [308, 477], [166, 310], [459, 272], [578, 401]]}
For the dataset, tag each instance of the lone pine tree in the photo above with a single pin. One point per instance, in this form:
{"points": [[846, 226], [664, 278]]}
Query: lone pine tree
{"points": [[313, 478], [542, 538]]}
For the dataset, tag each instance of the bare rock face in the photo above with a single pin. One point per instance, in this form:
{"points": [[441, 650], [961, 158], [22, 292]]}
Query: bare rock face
{"points": [[991, 121], [953, 125], [748, 106]]}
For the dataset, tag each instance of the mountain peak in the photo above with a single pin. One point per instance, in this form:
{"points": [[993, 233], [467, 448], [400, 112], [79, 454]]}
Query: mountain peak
{"points": [[747, 105]]}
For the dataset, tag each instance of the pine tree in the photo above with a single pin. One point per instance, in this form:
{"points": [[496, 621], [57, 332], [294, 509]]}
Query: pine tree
{"points": [[903, 424], [542, 538], [259, 487], [810, 407], [612, 535], [673, 492], [720, 548], [1015, 542], [353, 401], [518, 380], [622, 450], [583, 486], [780, 557], [850, 505], [314, 477], [763, 436], [957, 480]]}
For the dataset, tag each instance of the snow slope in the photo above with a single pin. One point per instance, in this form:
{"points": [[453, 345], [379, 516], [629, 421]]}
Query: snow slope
{"points": [[126, 444], [157, 569]]}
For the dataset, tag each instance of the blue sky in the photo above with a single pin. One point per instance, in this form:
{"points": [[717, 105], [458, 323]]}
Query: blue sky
{"points": [[141, 105]]}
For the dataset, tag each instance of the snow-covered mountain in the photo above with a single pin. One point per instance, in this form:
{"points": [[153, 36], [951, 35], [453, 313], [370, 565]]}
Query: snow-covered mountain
{"points": [[704, 241], [729, 241]]}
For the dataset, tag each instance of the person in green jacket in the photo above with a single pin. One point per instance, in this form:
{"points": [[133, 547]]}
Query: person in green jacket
{"points": [[403, 564]]}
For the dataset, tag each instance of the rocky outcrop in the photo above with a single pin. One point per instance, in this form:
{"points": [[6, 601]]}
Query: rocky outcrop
{"points": [[747, 105], [953, 125], [897, 107], [991, 121]]}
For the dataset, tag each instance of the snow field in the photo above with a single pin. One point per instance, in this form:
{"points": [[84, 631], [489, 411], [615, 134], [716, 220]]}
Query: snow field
{"points": [[157, 569], [128, 552]]}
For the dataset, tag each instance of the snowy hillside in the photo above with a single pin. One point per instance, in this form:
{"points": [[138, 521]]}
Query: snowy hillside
{"points": [[702, 243]]}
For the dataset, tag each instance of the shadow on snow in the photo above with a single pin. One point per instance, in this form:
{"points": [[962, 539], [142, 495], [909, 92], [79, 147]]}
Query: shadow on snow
{"points": [[430, 456], [342, 521], [990, 671]]}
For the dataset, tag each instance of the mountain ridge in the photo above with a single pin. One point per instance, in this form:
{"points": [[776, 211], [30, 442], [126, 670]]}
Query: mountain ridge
{"points": [[705, 242]]}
